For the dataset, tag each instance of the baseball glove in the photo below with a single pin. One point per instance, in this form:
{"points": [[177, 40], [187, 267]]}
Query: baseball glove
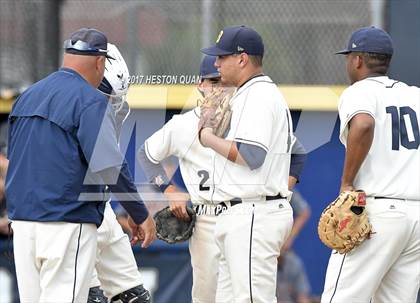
{"points": [[215, 110], [344, 223], [171, 229]]}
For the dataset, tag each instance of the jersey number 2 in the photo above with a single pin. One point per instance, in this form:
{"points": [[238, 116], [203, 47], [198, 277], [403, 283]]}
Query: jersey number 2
{"points": [[401, 118], [204, 174]]}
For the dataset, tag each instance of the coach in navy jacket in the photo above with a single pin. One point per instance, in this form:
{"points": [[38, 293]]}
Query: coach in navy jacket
{"points": [[62, 153]]}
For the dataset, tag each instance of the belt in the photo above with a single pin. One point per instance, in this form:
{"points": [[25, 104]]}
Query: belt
{"points": [[236, 201], [217, 209], [388, 198]]}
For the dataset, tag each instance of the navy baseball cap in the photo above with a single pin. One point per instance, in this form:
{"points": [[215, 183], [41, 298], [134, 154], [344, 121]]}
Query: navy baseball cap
{"points": [[207, 68], [236, 40], [87, 41], [369, 40]]}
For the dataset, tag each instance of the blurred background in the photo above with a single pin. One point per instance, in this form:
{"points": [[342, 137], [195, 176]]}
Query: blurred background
{"points": [[163, 37]]}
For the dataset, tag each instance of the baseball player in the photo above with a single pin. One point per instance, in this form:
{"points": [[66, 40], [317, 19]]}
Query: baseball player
{"points": [[380, 130], [62, 149], [250, 171], [116, 269], [179, 137]]}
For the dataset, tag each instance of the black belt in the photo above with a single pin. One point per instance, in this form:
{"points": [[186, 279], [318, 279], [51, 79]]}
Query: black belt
{"points": [[236, 201], [379, 197]]}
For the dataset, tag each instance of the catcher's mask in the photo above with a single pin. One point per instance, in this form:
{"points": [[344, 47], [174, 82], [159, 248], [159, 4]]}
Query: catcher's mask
{"points": [[115, 83]]}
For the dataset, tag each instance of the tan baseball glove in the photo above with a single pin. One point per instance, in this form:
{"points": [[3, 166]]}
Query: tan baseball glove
{"points": [[344, 223], [215, 110]]}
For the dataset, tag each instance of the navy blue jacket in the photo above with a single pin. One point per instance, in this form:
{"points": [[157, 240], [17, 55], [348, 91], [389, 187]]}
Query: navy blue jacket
{"points": [[56, 148]]}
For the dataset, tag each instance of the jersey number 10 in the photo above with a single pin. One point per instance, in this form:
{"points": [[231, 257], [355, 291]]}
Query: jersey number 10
{"points": [[405, 127]]}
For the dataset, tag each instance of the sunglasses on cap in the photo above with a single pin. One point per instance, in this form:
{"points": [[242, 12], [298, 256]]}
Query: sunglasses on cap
{"points": [[84, 47]]}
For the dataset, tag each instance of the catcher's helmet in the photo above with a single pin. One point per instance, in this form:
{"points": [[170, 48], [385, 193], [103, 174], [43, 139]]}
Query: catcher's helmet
{"points": [[116, 78]]}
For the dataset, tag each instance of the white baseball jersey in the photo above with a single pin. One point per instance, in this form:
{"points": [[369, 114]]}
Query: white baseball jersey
{"points": [[178, 137], [392, 166], [260, 117]]}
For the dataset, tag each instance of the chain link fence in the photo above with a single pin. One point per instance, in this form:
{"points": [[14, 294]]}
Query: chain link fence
{"points": [[29, 37], [163, 37]]}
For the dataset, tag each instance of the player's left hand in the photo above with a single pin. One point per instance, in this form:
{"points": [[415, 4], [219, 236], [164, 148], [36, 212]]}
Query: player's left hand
{"points": [[344, 223], [178, 202], [209, 118], [215, 111]]}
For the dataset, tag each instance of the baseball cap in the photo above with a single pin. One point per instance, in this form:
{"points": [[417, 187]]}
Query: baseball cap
{"points": [[236, 40], [207, 68], [369, 40], [87, 41]]}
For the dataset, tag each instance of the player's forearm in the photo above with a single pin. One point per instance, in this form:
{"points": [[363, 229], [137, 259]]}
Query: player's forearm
{"points": [[174, 194], [359, 141], [221, 146], [155, 173], [297, 162]]}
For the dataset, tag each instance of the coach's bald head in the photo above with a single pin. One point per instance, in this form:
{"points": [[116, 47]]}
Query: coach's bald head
{"points": [[91, 68], [86, 52]]}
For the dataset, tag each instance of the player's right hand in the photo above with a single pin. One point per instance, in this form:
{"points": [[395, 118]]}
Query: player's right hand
{"points": [[177, 202], [179, 209]]}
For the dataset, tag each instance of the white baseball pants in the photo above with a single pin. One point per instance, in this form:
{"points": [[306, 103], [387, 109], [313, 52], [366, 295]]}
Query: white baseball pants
{"points": [[250, 236], [385, 268], [54, 260]]}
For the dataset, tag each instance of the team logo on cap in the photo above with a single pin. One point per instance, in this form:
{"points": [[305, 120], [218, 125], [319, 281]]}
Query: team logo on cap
{"points": [[220, 36], [354, 45], [240, 49]]}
